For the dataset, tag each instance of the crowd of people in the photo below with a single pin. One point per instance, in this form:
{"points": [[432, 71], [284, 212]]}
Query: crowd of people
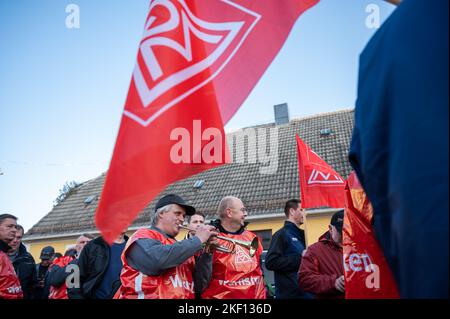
{"points": [[399, 151], [213, 261]]}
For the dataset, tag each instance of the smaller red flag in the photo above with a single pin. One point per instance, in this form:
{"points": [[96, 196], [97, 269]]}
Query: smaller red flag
{"points": [[367, 274], [320, 185]]}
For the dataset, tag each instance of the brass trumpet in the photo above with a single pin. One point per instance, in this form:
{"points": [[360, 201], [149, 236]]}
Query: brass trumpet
{"points": [[251, 246]]}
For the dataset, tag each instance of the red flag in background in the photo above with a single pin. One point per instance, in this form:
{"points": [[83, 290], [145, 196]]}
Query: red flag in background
{"points": [[320, 185], [367, 274], [197, 62]]}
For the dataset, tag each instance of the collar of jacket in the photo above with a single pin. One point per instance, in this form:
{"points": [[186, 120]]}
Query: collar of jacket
{"points": [[288, 223], [216, 223], [101, 241], [4, 247], [22, 250], [160, 231], [326, 238]]}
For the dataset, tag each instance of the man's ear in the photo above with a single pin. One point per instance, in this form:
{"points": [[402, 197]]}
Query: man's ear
{"points": [[291, 211]]}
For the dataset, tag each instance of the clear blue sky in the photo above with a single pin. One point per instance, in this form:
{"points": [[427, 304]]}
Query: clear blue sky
{"points": [[62, 90]]}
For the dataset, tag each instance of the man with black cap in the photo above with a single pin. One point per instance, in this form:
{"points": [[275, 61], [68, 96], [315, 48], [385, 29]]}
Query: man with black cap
{"points": [[42, 289], [156, 265], [321, 271]]}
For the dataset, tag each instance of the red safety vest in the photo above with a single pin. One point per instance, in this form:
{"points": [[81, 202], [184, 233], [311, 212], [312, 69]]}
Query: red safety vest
{"points": [[175, 283], [61, 291], [237, 275], [9, 283]]}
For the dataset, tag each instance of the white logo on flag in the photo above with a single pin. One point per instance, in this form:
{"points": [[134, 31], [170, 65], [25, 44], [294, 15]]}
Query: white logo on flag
{"points": [[318, 177], [162, 81], [242, 256]]}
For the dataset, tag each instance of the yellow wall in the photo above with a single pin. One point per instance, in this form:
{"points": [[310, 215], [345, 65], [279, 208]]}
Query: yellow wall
{"points": [[315, 225], [60, 245]]}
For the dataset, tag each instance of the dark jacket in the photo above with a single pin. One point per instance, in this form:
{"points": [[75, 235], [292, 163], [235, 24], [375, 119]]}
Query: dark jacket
{"points": [[42, 287], [25, 268], [320, 267], [399, 147], [284, 257], [93, 262]]}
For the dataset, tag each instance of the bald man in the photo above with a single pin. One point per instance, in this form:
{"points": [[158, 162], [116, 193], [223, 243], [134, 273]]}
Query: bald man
{"points": [[235, 275]]}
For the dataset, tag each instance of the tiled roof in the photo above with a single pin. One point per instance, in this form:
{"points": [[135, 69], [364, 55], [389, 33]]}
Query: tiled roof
{"points": [[261, 193]]}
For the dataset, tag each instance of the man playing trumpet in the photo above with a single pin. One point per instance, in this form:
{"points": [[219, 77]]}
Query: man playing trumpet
{"points": [[236, 275], [156, 265]]}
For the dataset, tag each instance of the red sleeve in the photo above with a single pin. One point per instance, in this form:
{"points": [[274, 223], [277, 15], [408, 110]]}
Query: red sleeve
{"points": [[309, 277]]}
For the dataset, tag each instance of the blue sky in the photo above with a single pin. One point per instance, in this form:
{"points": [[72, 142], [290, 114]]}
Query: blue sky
{"points": [[62, 91]]}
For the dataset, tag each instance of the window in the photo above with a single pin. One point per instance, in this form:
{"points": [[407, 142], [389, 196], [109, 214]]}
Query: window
{"points": [[265, 236]]}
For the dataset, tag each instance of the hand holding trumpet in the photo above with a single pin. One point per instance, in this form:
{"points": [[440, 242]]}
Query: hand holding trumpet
{"points": [[205, 233]]}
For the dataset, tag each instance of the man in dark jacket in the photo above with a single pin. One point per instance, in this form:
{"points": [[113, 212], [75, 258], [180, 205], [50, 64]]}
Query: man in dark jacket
{"points": [[321, 271], [100, 266], [42, 288], [23, 263], [285, 253]]}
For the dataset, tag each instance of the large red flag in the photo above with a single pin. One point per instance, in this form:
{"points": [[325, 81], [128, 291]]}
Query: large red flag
{"points": [[197, 62], [320, 184], [367, 274]]}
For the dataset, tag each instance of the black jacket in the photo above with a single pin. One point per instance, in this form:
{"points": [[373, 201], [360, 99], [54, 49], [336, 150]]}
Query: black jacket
{"points": [[42, 287], [284, 257], [25, 268], [92, 262]]}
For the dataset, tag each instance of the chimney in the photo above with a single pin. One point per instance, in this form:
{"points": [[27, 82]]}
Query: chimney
{"points": [[281, 114]]}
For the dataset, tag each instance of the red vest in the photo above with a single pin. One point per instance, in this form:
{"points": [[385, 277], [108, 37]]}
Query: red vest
{"points": [[236, 276], [61, 291], [9, 283], [175, 283]]}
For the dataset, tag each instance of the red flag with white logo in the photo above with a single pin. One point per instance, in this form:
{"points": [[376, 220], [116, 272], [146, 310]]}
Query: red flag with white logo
{"points": [[367, 274], [197, 62], [320, 184]]}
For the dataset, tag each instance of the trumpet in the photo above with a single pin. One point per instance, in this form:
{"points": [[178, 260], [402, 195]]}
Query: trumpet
{"points": [[230, 245]]}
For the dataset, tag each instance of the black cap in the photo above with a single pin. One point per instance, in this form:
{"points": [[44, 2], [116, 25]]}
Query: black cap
{"points": [[175, 199], [47, 253], [338, 220]]}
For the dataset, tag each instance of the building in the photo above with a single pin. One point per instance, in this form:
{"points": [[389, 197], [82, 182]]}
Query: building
{"points": [[264, 174]]}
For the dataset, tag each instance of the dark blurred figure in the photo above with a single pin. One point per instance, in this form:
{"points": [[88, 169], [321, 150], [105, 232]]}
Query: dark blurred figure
{"points": [[42, 288], [58, 255], [400, 143], [23, 263]]}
